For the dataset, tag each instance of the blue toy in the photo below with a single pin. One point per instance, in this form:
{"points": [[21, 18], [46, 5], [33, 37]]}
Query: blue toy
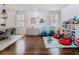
{"points": [[43, 31]]}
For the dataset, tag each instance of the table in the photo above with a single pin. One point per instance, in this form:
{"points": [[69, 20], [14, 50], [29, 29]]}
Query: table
{"points": [[1, 32]]}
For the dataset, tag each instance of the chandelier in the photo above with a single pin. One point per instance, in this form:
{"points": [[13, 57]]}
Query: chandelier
{"points": [[4, 13]]}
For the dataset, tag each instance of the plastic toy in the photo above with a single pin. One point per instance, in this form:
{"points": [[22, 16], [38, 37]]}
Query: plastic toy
{"points": [[55, 35], [57, 30], [74, 20], [73, 33], [76, 42], [43, 31], [65, 32], [58, 35], [50, 32], [65, 41]]}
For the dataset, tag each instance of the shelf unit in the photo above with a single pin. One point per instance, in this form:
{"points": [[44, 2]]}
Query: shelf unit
{"points": [[77, 31], [72, 28]]}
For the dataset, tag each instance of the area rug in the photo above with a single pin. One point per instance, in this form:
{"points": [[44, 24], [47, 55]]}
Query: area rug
{"points": [[53, 43], [7, 42]]}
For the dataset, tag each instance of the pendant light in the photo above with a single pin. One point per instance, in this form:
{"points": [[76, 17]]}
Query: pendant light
{"points": [[4, 14]]}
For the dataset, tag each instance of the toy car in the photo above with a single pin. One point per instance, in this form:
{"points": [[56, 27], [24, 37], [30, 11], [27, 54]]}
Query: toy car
{"points": [[65, 41]]}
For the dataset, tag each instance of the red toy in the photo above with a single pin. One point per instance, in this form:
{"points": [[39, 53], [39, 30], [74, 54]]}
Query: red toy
{"points": [[55, 35], [76, 42], [65, 41], [58, 35]]}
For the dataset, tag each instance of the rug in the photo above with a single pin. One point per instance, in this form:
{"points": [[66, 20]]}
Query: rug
{"points": [[7, 42], [54, 43]]}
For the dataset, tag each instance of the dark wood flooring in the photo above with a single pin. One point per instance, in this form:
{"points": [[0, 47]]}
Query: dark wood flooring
{"points": [[34, 45]]}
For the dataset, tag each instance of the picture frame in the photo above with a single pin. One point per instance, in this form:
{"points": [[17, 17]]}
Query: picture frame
{"points": [[42, 20], [53, 18], [33, 20]]}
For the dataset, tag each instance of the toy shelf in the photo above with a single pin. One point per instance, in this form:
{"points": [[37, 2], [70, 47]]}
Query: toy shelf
{"points": [[68, 29], [72, 28], [77, 31]]}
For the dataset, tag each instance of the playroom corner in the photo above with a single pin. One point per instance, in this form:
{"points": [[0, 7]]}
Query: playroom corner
{"points": [[66, 35]]}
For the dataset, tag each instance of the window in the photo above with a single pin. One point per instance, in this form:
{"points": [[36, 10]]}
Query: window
{"points": [[19, 20], [54, 20]]}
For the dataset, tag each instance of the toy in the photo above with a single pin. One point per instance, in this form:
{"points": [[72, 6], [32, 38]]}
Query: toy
{"points": [[55, 35], [57, 30], [73, 33], [65, 40], [58, 35], [50, 32], [76, 42], [65, 32], [43, 31]]}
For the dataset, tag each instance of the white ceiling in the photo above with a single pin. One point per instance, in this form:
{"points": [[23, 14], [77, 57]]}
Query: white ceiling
{"points": [[26, 7]]}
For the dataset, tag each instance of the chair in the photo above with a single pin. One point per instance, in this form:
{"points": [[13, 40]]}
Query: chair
{"points": [[6, 34]]}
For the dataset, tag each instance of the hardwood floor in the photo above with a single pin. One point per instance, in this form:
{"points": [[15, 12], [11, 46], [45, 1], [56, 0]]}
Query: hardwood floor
{"points": [[35, 46]]}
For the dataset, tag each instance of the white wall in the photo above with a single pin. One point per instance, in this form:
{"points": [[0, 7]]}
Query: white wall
{"points": [[11, 19], [28, 14], [69, 12], [41, 14]]}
